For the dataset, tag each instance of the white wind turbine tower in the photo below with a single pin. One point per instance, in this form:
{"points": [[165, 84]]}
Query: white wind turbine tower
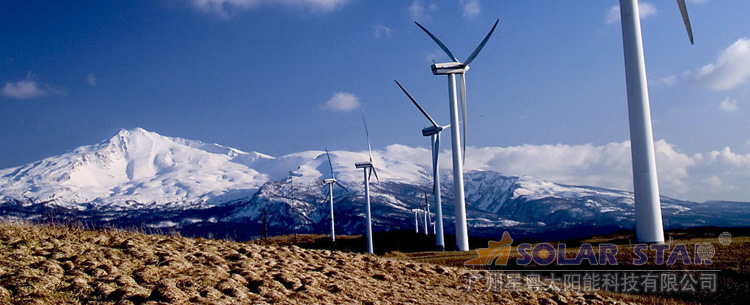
{"points": [[426, 232], [648, 219], [416, 221], [365, 165], [428, 215], [434, 133], [330, 182], [451, 69]]}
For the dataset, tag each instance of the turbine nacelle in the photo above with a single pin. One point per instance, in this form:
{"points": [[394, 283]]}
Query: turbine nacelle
{"points": [[329, 181], [449, 68], [432, 130], [363, 164]]}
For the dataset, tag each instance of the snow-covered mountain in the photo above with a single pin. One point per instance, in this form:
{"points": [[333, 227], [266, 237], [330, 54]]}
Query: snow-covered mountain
{"points": [[136, 169], [140, 177]]}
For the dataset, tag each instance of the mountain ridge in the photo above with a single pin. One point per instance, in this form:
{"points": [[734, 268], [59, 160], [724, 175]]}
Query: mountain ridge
{"points": [[180, 183]]}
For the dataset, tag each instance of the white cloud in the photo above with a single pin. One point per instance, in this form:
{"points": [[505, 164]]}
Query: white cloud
{"points": [[645, 9], [382, 30], [731, 69], [471, 8], [717, 175], [606, 166], [91, 79], [318, 5], [418, 11], [23, 89], [668, 81], [229, 8], [342, 101], [728, 105]]}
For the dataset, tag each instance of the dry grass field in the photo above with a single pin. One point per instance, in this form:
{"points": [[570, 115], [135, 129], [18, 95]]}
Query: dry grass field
{"points": [[732, 261], [54, 264]]}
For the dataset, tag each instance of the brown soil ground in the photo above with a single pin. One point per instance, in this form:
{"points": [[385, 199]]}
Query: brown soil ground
{"points": [[50, 264]]}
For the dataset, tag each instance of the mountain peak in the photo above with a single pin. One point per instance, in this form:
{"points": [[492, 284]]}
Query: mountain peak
{"points": [[137, 130], [136, 165], [128, 135], [136, 143]]}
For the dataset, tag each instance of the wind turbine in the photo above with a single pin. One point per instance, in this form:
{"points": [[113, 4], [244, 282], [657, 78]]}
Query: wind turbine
{"points": [[434, 133], [330, 182], [648, 218], [451, 69], [426, 232], [429, 215], [365, 165], [416, 221]]}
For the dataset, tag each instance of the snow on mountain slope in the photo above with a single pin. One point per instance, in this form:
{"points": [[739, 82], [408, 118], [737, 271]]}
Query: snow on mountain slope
{"points": [[140, 176], [136, 168]]}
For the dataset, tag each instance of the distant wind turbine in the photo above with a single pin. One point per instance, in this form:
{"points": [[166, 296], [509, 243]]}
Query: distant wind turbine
{"points": [[426, 205], [429, 215], [648, 218], [367, 165], [416, 221], [451, 69], [330, 182], [434, 133]]}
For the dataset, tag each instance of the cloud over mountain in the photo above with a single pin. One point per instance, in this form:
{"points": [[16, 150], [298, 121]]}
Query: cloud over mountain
{"points": [[680, 175], [146, 165]]}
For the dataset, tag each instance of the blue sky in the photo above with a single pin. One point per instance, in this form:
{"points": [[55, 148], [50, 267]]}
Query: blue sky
{"points": [[285, 76]]}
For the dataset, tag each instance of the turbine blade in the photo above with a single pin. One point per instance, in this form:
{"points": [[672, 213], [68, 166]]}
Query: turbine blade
{"points": [[463, 113], [442, 46], [328, 194], [330, 164], [369, 149], [372, 171], [685, 19], [417, 104], [342, 186], [461, 121], [480, 46]]}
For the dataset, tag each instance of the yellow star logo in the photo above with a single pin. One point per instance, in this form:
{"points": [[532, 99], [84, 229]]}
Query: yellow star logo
{"points": [[496, 253]]}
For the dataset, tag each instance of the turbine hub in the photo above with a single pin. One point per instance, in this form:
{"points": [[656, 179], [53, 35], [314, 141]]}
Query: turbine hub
{"points": [[449, 68]]}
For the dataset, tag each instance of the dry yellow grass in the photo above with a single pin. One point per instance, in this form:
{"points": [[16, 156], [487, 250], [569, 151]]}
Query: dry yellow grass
{"points": [[732, 260], [48, 264]]}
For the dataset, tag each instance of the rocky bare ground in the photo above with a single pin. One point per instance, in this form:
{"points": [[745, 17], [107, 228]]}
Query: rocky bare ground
{"points": [[49, 264]]}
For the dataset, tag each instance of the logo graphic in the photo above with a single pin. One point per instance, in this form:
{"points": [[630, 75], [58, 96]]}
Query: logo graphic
{"points": [[706, 251], [542, 254], [496, 253], [725, 238]]}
